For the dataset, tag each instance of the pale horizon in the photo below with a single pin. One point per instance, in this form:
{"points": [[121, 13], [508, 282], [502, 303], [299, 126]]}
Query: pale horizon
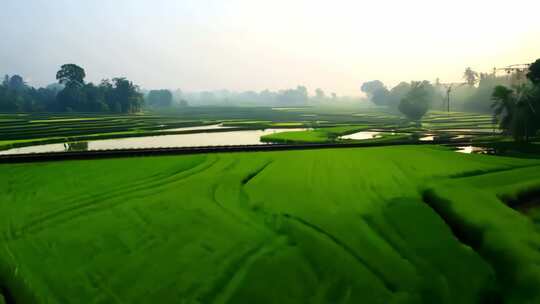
{"points": [[258, 45]]}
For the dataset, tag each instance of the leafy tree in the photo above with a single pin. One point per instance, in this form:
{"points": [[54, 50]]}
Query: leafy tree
{"points": [[376, 91], [503, 106], [71, 94], [94, 98], [126, 95], [534, 73], [517, 111], [16, 83], [71, 75], [479, 100], [296, 96], [380, 96], [71, 99], [42, 99], [15, 95], [7, 100], [319, 94], [470, 76], [417, 101], [397, 93], [159, 98], [372, 86]]}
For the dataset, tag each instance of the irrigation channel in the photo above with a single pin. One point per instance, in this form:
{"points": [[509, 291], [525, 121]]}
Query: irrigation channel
{"points": [[198, 139]]}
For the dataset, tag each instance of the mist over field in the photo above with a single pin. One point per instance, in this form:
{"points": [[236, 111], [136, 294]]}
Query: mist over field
{"points": [[240, 45]]}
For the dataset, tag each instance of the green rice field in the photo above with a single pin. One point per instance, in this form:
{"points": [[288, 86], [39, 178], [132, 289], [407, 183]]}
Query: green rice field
{"points": [[328, 123], [402, 224]]}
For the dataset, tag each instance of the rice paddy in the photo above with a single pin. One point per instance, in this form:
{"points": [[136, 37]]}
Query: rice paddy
{"points": [[390, 224], [327, 125], [370, 225]]}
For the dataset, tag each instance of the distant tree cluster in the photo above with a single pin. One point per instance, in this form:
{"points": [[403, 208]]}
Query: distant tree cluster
{"points": [[290, 97], [417, 101], [72, 93], [517, 109], [513, 99], [381, 96], [473, 94], [16, 96], [159, 98], [298, 96], [478, 99], [412, 99]]}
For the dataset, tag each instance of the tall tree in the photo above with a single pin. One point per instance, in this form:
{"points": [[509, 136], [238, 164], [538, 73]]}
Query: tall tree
{"points": [[397, 93], [417, 101], [71, 75], [380, 96], [319, 94], [534, 73], [503, 106], [127, 95], [517, 111], [470, 76], [16, 83], [376, 92], [159, 98]]}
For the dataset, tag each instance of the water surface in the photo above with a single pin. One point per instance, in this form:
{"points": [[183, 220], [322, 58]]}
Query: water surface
{"points": [[243, 137], [363, 135], [206, 127], [475, 150]]}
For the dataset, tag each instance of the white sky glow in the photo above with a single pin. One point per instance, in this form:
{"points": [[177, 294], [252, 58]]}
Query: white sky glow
{"points": [[256, 45]]}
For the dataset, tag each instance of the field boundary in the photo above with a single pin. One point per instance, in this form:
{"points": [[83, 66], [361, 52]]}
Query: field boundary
{"points": [[119, 153]]}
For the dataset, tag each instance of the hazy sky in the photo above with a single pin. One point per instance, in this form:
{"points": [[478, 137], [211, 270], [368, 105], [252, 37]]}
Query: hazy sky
{"points": [[254, 45]]}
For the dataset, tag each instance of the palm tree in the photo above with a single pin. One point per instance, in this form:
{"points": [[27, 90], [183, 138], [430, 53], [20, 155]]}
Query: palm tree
{"points": [[470, 76], [503, 106], [516, 110]]}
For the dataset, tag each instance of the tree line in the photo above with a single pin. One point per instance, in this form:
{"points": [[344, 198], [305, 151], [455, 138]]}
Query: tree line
{"points": [[517, 108], [298, 96], [71, 94], [514, 99], [471, 95], [412, 99]]}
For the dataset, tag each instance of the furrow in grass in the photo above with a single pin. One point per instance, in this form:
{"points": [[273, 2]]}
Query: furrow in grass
{"points": [[240, 270], [227, 211], [252, 175], [70, 202], [489, 171], [505, 239], [219, 284], [13, 288], [389, 285], [524, 199], [238, 199], [89, 206], [378, 231]]}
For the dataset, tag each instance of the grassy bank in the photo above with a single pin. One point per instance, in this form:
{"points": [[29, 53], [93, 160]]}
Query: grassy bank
{"points": [[319, 135]]}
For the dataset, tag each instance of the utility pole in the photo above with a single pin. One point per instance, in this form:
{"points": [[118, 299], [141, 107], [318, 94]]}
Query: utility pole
{"points": [[448, 96], [449, 87]]}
